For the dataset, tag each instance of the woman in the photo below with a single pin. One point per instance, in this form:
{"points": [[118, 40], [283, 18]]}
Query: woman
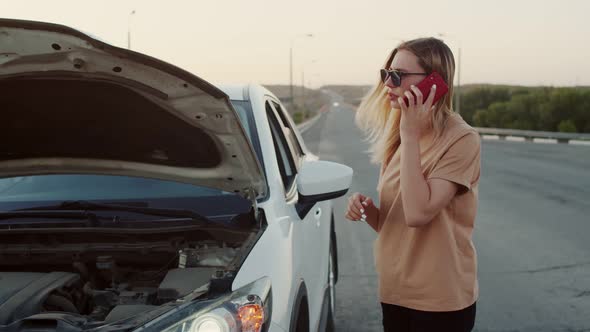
{"points": [[430, 168]]}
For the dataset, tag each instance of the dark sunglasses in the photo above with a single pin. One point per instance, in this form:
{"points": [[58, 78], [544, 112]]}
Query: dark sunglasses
{"points": [[396, 76]]}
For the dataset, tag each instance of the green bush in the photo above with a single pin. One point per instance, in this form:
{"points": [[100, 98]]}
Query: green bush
{"points": [[298, 117], [546, 109], [567, 126]]}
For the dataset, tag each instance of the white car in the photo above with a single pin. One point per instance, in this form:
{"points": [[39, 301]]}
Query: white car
{"points": [[135, 196]]}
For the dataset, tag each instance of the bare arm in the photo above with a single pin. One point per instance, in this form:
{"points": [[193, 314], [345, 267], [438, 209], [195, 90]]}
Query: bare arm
{"points": [[422, 200], [372, 213]]}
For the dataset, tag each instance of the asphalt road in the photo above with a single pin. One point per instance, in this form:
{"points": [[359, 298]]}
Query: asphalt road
{"points": [[532, 233]]}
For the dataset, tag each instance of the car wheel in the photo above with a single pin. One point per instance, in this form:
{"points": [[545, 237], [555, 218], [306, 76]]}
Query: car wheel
{"points": [[303, 319], [331, 287]]}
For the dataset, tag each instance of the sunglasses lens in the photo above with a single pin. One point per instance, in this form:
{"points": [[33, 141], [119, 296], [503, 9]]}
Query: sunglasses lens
{"points": [[384, 75], [395, 79]]}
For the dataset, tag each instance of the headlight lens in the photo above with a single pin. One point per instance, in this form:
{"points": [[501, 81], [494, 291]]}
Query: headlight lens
{"points": [[217, 320], [248, 309]]}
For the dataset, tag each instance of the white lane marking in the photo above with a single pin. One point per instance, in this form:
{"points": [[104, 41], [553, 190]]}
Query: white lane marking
{"points": [[492, 137], [578, 142], [545, 140], [515, 138]]}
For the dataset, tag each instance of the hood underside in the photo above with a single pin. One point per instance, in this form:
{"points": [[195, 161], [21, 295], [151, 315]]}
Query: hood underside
{"points": [[73, 104]]}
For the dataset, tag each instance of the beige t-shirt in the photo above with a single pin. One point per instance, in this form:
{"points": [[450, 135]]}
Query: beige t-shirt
{"points": [[433, 267]]}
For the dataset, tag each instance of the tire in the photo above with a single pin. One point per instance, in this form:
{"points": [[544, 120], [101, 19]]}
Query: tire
{"points": [[334, 247], [332, 276], [300, 314], [303, 318]]}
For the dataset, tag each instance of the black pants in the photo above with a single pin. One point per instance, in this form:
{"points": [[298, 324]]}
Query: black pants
{"points": [[401, 319]]}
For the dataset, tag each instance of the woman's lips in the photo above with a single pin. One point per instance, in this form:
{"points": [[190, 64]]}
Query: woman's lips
{"points": [[393, 97]]}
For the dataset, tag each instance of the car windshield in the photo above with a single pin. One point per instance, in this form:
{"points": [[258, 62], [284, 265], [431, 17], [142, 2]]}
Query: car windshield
{"points": [[244, 110], [43, 190]]}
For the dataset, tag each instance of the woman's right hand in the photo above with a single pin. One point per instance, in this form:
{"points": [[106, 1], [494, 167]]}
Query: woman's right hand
{"points": [[359, 205]]}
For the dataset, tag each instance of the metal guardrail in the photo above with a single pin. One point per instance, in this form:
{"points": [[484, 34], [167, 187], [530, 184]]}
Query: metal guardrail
{"points": [[530, 135]]}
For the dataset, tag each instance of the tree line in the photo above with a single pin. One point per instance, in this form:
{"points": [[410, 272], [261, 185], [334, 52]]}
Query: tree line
{"points": [[527, 108]]}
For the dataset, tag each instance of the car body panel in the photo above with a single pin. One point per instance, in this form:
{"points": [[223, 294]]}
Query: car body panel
{"points": [[291, 250]]}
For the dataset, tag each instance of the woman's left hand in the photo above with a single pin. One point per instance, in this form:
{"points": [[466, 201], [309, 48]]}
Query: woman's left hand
{"points": [[415, 115]]}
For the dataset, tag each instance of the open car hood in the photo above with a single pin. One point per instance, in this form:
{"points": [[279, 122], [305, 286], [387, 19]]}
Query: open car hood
{"points": [[73, 104]]}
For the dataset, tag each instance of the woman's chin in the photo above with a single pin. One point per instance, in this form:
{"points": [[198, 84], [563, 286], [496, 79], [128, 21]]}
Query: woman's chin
{"points": [[394, 104]]}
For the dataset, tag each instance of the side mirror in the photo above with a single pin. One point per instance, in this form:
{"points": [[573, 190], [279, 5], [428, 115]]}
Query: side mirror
{"points": [[320, 181]]}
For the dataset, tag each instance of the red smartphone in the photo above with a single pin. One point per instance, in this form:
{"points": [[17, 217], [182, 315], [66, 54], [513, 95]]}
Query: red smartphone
{"points": [[426, 84]]}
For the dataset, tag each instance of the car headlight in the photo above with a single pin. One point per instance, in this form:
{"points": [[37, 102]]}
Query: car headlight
{"points": [[248, 309], [217, 320]]}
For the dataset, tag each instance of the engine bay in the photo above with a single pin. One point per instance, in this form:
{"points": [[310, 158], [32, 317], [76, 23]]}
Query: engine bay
{"points": [[110, 276]]}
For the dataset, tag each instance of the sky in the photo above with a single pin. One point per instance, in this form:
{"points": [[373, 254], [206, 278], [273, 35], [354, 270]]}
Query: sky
{"points": [[520, 42]]}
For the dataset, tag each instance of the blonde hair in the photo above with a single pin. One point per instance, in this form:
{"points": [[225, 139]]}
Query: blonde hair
{"points": [[381, 123]]}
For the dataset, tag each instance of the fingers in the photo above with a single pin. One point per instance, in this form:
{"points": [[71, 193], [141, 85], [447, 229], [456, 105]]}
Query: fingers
{"points": [[411, 100], [402, 104], [352, 216], [418, 94], [354, 205], [357, 204], [354, 197], [368, 202], [358, 207], [430, 98]]}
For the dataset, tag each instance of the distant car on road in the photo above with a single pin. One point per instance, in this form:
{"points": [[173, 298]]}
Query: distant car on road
{"points": [[135, 196]]}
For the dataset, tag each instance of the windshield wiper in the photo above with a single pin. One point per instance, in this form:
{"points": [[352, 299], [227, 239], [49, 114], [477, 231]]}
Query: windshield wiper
{"points": [[84, 206]]}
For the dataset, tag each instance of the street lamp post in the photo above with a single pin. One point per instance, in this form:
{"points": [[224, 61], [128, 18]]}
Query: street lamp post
{"points": [[309, 35], [129, 29]]}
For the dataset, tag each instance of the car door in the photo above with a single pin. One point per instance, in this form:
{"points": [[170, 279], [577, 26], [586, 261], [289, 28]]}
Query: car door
{"points": [[313, 230]]}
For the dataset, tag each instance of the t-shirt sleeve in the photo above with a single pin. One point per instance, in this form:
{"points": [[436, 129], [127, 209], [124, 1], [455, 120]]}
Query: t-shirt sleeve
{"points": [[460, 163]]}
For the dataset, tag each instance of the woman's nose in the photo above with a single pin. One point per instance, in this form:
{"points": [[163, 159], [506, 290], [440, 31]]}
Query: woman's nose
{"points": [[389, 83]]}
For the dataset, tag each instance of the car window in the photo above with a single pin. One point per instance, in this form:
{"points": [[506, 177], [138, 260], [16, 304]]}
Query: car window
{"points": [[287, 125], [244, 110], [282, 151]]}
